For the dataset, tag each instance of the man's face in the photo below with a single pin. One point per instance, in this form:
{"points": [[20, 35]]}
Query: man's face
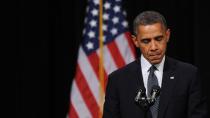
{"points": [[152, 41]]}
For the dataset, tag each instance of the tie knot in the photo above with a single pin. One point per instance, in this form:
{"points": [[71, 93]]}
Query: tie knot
{"points": [[152, 68]]}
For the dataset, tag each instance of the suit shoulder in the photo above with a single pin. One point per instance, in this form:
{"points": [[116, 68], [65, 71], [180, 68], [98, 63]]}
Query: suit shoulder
{"points": [[125, 69], [183, 65]]}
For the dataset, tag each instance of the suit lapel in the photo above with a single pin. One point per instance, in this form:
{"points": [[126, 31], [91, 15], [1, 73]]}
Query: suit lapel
{"points": [[168, 83], [138, 72], [136, 76], [139, 80]]}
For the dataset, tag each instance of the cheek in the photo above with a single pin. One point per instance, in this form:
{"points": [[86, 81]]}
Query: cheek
{"points": [[163, 47], [144, 49]]}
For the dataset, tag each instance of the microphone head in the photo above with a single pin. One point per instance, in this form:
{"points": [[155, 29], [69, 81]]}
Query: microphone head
{"points": [[156, 90], [142, 89], [156, 87], [140, 94]]}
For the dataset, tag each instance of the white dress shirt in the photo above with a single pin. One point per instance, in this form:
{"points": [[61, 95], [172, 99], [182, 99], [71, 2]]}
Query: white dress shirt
{"points": [[145, 66]]}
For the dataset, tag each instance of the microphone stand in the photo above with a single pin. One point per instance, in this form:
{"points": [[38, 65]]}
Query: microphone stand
{"points": [[144, 102], [146, 113]]}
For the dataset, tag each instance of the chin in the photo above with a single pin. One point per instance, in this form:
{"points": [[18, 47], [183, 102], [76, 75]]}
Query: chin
{"points": [[155, 61]]}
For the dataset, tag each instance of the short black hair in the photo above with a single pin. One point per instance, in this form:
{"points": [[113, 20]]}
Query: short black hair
{"points": [[148, 18]]}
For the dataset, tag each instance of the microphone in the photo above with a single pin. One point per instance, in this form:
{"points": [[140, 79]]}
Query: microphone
{"points": [[140, 94], [141, 99], [154, 94], [145, 102]]}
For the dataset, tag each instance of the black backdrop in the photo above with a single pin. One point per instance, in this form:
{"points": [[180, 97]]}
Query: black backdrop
{"points": [[49, 33]]}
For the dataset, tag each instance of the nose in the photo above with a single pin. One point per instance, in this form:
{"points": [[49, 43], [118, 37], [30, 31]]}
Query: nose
{"points": [[154, 46]]}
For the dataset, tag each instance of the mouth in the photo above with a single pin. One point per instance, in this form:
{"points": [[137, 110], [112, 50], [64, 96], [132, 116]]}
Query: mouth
{"points": [[155, 57]]}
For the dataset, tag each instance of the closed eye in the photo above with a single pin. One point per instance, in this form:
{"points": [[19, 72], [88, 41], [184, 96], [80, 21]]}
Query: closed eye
{"points": [[145, 41], [159, 38]]}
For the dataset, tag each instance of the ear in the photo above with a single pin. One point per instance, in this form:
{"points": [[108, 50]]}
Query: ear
{"points": [[168, 33], [135, 41]]}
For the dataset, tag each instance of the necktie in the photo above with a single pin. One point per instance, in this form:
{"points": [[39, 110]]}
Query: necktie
{"points": [[152, 81]]}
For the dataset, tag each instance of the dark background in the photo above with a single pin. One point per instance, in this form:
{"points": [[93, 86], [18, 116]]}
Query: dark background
{"points": [[49, 32]]}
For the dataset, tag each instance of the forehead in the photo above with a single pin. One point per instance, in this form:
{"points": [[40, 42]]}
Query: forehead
{"points": [[150, 30]]}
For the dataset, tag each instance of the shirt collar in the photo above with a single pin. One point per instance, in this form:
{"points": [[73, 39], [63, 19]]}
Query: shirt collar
{"points": [[145, 65]]}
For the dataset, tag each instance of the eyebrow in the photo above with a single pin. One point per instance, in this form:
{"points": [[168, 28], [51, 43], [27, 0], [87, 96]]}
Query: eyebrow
{"points": [[159, 36]]}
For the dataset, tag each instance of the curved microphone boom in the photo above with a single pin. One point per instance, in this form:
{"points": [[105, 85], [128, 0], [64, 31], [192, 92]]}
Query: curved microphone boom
{"points": [[141, 99], [155, 92], [145, 102], [140, 94]]}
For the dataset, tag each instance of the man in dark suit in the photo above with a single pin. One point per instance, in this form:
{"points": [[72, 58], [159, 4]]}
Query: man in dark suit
{"points": [[180, 94]]}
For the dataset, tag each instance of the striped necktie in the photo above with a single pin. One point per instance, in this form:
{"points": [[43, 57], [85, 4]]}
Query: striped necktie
{"points": [[153, 81]]}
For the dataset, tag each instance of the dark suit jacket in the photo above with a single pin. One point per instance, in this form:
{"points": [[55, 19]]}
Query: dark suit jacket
{"points": [[180, 97]]}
